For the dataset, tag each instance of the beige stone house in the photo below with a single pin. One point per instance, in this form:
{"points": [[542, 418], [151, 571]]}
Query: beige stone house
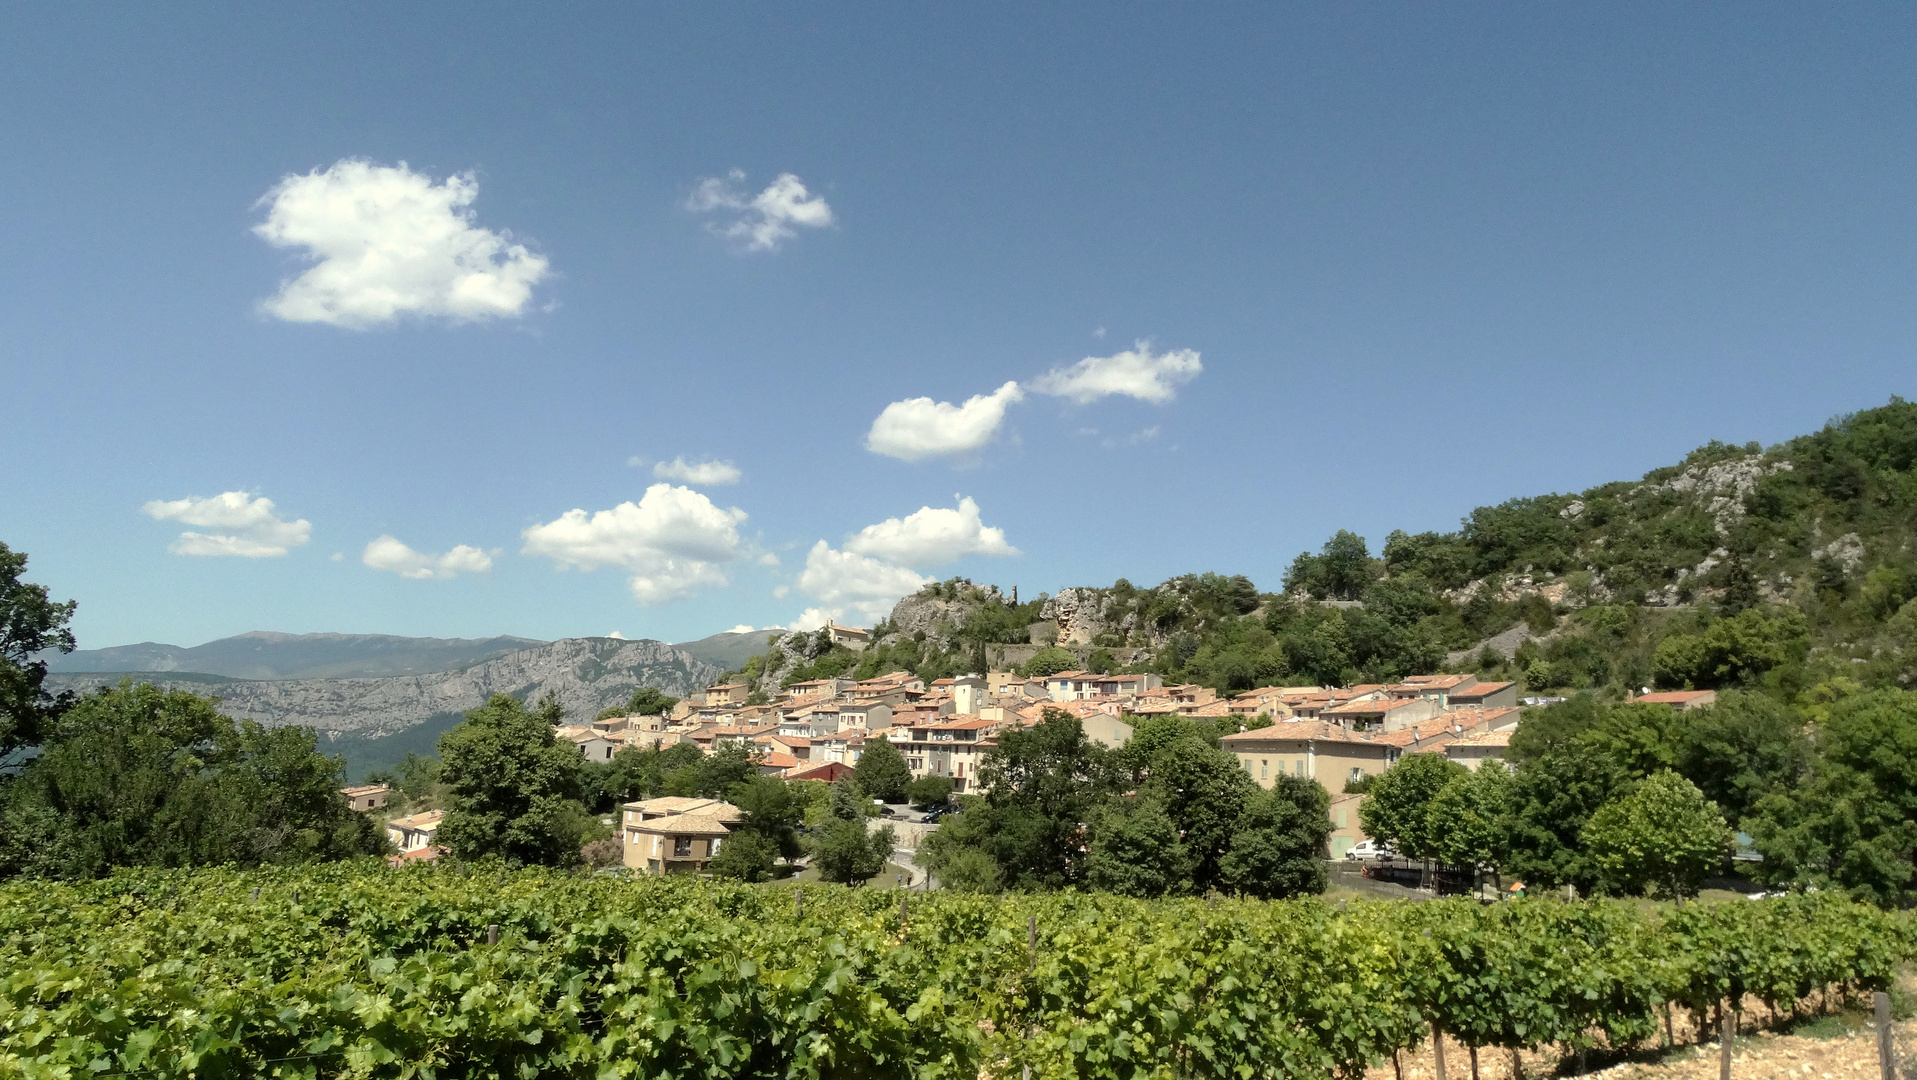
{"points": [[1314, 749], [675, 835], [366, 796], [414, 832]]}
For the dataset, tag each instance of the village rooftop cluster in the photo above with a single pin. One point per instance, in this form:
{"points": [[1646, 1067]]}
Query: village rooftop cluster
{"points": [[818, 729]]}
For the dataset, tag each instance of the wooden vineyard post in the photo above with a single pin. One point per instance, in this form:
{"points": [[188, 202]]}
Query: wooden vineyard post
{"points": [[1437, 1047], [1886, 1051], [1517, 1065], [492, 933], [1728, 1036], [1474, 1061], [798, 904], [256, 894]]}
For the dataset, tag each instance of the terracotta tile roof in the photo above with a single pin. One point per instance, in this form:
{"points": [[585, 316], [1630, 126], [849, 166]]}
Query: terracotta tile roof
{"points": [[669, 804], [705, 822], [424, 821], [1296, 731], [777, 760], [1484, 738], [1373, 706], [1478, 690], [1674, 697]]}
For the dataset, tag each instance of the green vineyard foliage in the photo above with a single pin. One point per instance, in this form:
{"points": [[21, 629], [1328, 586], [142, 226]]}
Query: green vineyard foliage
{"points": [[361, 971]]}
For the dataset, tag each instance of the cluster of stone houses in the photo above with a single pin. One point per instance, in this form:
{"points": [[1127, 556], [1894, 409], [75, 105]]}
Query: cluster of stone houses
{"points": [[817, 730]]}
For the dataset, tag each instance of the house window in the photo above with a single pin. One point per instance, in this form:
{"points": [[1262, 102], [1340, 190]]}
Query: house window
{"points": [[682, 847], [1301, 766], [1264, 770], [1357, 774]]}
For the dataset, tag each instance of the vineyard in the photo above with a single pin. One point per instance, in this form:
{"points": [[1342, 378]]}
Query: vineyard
{"points": [[444, 972]]}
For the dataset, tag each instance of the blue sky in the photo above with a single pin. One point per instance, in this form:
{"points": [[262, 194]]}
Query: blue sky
{"points": [[1389, 262]]}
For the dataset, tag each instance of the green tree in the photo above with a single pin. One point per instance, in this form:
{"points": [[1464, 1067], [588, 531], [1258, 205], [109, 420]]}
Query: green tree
{"points": [[1278, 845], [929, 791], [1741, 749], [1397, 808], [745, 855], [882, 772], [772, 810], [1040, 786], [1137, 851], [846, 853], [1732, 651], [1852, 823], [650, 701], [1469, 818], [511, 787], [1047, 662], [1664, 836], [1340, 571], [133, 776], [710, 776], [965, 870], [1204, 791], [30, 623]]}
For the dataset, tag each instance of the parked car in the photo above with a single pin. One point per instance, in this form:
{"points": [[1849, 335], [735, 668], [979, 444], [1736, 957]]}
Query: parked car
{"points": [[1370, 851]]}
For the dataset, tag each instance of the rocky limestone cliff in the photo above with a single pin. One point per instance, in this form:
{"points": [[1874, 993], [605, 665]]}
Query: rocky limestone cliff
{"points": [[587, 674]]}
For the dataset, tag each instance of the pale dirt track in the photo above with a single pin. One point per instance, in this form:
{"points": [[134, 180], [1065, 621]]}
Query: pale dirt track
{"points": [[1756, 1055]]}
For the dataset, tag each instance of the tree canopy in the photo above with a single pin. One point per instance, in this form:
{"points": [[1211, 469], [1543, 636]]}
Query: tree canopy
{"points": [[512, 786], [31, 622], [133, 776]]}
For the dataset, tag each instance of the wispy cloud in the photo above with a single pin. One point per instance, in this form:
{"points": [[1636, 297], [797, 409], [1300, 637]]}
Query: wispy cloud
{"points": [[1133, 373], [248, 527], [390, 555], [764, 221], [703, 473]]}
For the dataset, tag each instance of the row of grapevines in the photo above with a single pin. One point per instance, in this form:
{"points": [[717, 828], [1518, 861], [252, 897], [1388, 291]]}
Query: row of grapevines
{"points": [[357, 970]]}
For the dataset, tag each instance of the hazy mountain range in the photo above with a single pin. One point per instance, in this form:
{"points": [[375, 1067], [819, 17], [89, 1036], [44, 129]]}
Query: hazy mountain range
{"points": [[373, 696]]}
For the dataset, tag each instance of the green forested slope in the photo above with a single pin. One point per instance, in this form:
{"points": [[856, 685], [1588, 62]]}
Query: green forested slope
{"points": [[1790, 569]]}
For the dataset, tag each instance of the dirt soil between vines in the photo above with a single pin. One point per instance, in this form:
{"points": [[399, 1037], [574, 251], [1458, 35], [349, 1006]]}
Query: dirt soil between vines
{"points": [[1837, 1047]]}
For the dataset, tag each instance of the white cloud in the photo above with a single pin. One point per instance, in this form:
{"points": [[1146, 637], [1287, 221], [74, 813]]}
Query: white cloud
{"points": [[703, 473], [849, 584], [742, 628], [389, 554], [765, 220], [390, 242], [1133, 373], [615, 635], [248, 527], [920, 427], [672, 541], [931, 536]]}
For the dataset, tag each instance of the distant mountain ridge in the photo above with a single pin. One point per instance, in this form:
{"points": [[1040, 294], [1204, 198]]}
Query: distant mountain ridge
{"points": [[264, 654], [587, 675], [729, 650]]}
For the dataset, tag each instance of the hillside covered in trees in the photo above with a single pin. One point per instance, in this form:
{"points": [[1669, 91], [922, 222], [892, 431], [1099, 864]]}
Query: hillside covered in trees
{"points": [[1789, 568]]}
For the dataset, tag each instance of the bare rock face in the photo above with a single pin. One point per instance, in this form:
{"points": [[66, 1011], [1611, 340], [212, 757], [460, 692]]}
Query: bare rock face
{"points": [[1721, 489], [1079, 614], [587, 675]]}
